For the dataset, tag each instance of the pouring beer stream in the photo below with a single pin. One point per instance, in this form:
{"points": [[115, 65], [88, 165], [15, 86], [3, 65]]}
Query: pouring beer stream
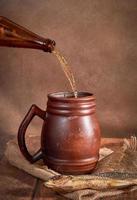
{"points": [[70, 136]]}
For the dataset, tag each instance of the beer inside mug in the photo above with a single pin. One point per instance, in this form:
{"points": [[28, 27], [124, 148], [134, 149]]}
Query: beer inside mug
{"points": [[71, 94]]}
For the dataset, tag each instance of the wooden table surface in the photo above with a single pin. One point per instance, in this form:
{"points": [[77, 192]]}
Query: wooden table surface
{"points": [[18, 185]]}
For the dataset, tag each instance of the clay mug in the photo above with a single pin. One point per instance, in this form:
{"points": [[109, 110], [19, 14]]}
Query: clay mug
{"points": [[70, 136]]}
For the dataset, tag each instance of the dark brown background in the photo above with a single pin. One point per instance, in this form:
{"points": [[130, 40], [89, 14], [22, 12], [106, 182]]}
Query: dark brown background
{"points": [[99, 39]]}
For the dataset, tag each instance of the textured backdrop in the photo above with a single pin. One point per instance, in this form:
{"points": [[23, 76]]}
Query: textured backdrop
{"points": [[99, 40]]}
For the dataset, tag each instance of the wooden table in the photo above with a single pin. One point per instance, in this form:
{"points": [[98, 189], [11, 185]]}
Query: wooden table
{"points": [[18, 185]]}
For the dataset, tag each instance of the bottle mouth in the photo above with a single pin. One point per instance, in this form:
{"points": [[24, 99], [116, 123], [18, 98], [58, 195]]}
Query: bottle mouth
{"points": [[49, 45], [53, 43]]}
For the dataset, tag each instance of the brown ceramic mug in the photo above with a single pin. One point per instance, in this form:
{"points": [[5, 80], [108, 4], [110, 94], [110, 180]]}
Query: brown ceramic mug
{"points": [[70, 137]]}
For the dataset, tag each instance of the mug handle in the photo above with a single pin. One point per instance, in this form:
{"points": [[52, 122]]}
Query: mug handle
{"points": [[34, 110]]}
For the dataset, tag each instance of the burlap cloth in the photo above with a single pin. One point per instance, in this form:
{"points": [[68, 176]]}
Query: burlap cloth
{"points": [[42, 172]]}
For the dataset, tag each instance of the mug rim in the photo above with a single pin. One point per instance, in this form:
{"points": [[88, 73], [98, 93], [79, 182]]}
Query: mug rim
{"points": [[70, 95]]}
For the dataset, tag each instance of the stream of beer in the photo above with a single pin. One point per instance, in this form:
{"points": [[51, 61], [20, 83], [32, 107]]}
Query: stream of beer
{"points": [[67, 70]]}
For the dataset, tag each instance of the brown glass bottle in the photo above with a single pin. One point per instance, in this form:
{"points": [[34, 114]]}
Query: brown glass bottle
{"points": [[14, 35]]}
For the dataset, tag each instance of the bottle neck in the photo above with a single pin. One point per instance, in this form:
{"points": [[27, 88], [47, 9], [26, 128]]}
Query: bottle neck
{"points": [[14, 35]]}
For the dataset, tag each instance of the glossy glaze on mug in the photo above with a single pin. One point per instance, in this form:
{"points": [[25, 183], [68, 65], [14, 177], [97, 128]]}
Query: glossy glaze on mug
{"points": [[70, 137]]}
